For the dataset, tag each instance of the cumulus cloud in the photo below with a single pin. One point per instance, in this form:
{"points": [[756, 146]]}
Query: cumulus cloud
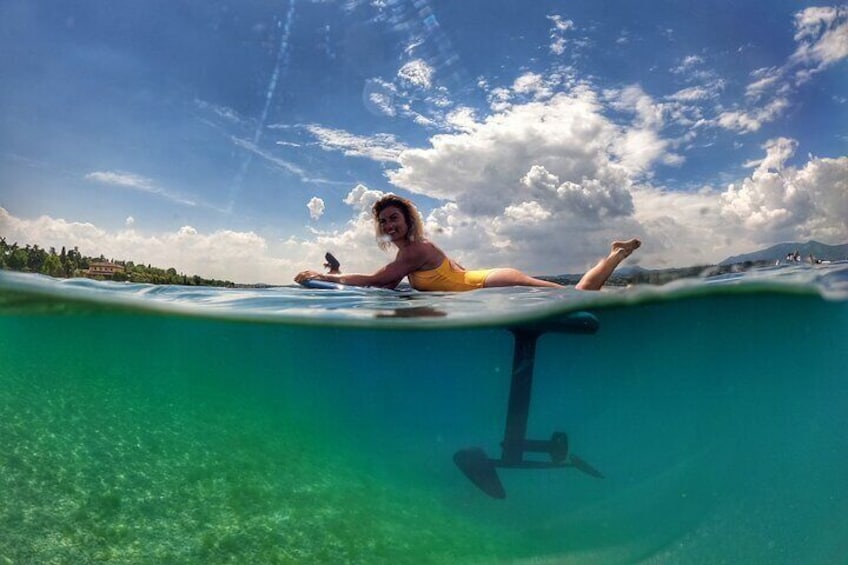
{"points": [[684, 228], [589, 199], [780, 202], [362, 198], [565, 210], [778, 151], [315, 207], [527, 212], [226, 254], [555, 162], [48, 232], [776, 203], [550, 225], [481, 168]]}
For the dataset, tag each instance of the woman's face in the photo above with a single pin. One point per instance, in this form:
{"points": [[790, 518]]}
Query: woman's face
{"points": [[393, 223]]}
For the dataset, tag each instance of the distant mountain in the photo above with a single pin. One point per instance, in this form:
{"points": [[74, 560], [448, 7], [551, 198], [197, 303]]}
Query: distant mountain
{"points": [[781, 250]]}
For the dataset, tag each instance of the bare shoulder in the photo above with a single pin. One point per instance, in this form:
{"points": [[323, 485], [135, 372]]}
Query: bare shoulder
{"points": [[423, 254]]}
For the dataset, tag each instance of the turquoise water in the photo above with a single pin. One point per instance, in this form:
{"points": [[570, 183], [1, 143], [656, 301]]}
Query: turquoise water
{"points": [[168, 425]]}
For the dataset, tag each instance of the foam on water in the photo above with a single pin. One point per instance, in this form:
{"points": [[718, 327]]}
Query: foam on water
{"points": [[166, 424]]}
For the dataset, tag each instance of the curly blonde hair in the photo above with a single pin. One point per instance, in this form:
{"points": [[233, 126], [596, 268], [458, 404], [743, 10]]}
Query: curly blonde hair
{"points": [[410, 214]]}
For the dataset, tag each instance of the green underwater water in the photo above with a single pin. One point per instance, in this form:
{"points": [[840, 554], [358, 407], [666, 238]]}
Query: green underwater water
{"points": [[719, 422]]}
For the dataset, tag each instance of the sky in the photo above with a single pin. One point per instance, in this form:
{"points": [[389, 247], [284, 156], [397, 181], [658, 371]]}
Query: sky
{"points": [[244, 139]]}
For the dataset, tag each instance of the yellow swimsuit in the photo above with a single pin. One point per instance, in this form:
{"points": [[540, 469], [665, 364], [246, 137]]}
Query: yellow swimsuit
{"points": [[447, 278]]}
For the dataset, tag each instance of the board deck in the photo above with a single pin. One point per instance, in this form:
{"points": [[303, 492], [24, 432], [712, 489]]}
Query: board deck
{"points": [[325, 285]]}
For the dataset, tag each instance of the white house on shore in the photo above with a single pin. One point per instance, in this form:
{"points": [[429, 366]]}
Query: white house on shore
{"points": [[104, 269]]}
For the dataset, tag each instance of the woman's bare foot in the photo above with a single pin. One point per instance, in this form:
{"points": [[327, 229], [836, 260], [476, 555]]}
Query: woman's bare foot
{"points": [[595, 278], [625, 248]]}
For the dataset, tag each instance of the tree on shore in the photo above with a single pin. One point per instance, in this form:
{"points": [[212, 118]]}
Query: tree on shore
{"points": [[72, 263]]}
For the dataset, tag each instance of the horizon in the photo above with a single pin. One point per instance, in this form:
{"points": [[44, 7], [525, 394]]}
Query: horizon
{"points": [[624, 271], [241, 141]]}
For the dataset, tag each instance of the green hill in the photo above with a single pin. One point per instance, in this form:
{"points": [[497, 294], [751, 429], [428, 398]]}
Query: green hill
{"points": [[777, 252]]}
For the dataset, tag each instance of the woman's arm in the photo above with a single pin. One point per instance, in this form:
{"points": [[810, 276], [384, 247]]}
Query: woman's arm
{"points": [[386, 277]]}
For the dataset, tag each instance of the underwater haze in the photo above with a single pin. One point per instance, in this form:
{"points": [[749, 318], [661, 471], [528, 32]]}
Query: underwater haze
{"points": [[143, 424]]}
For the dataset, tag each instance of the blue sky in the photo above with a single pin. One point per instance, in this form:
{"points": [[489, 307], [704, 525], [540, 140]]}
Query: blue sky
{"points": [[242, 140]]}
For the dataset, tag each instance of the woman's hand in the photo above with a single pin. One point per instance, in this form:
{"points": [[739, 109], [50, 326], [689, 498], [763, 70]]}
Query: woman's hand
{"points": [[306, 276]]}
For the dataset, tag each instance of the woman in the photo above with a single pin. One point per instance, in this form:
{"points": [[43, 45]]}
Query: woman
{"points": [[399, 223]]}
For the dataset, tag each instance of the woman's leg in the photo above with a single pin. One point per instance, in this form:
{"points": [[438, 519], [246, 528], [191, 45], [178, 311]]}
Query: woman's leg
{"points": [[595, 278], [514, 277]]}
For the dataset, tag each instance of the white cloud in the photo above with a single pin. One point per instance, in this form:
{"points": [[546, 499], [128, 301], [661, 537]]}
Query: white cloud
{"points": [[523, 180], [684, 228], [527, 212], [362, 198], [550, 225], [560, 23], [379, 147], [462, 119], [784, 203], [224, 254], [417, 73], [778, 151], [822, 41], [129, 222], [568, 135], [752, 120], [691, 94], [826, 182], [136, 182], [539, 178], [128, 180], [558, 45], [48, 232], [499, 99], [315, 207], [378, 97], [688, 63], [766, 79], [273, 159], [590, 198], [557, 35], [822, 36], [533, 84]]}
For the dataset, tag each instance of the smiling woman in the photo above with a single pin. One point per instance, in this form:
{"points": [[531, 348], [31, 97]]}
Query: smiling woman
{"points": [[427, 267]]}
